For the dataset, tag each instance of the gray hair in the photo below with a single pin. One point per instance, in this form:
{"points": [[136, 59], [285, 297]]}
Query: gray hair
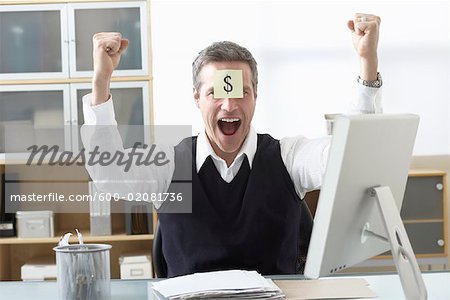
{"points": [[223, 51]]}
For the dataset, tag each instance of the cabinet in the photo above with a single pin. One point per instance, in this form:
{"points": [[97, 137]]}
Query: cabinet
{"points": [[55, 40], [129, 18], [45, 70], [424, 214], [131, 107], [34, 43], [51, 114], [46, 67], [25, 109]]}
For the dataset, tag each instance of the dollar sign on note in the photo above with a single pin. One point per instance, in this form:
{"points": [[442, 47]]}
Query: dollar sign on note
{"points": [[228, 87]]}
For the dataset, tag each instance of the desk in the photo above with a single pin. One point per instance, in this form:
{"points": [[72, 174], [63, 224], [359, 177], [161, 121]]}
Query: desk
{"points": [[386, 286]]}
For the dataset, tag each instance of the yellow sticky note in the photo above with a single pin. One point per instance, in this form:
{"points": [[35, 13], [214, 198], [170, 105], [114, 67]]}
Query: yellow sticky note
{"points": [[228, 84]]}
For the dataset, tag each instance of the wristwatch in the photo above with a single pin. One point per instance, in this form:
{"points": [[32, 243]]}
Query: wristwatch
{"points": [[371, 83]]}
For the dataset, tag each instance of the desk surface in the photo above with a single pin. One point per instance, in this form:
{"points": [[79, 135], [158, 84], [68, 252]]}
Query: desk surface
{"points": [[386, 286]]}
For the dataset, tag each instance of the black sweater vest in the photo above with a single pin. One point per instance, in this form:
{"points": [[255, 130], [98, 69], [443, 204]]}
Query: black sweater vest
{"points": [[255, 222]]}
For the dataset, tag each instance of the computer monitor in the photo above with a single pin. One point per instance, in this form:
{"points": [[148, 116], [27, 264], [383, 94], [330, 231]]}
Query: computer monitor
{"points": [[367, 151]]}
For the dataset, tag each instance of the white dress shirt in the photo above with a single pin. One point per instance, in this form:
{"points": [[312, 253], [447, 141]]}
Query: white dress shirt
{"points": [[305, 159]]}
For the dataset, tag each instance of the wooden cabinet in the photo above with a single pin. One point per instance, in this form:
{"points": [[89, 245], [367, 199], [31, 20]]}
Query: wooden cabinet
{"points": [[424, 214], [45, 69]]}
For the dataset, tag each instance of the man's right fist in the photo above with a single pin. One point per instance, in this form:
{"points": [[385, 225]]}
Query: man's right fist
{"points": [[107, 49]]}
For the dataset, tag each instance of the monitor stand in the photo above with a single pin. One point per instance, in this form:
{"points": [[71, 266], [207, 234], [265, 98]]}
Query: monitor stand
{"points": [[402, 253]]}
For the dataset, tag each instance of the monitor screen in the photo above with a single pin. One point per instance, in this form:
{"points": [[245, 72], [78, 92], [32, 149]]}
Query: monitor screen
{"points": [[366, 151]]}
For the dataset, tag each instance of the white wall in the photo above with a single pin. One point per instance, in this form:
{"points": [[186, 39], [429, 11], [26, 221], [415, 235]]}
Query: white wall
{"points": [[307, 63]]}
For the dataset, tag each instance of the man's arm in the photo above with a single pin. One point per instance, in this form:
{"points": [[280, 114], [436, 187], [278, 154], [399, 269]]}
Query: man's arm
{"points": [[305, 159], [100, 130], [365, 30]]}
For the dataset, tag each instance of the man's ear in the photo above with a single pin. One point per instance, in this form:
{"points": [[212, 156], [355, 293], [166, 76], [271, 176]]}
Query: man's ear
{"points": [[196, 95]]}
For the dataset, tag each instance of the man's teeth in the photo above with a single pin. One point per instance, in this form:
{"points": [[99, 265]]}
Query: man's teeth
{"points": [[229, 120]]}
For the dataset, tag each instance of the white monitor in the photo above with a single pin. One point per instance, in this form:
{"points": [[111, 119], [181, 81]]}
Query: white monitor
{"points": [[372, 150]]}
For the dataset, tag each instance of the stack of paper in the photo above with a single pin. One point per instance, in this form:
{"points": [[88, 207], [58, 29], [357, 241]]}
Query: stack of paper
{"points": [[222, 284]]}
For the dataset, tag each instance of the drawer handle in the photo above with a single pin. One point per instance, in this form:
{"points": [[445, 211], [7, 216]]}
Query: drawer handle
{"points": [[441, 243], [439, 186], [136, 272], [34, 224]]}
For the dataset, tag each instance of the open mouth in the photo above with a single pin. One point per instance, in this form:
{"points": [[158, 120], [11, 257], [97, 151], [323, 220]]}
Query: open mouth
{"points": [[229, 126]]}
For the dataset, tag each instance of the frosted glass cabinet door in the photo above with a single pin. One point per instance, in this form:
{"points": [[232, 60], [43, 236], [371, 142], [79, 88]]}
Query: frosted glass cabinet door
{"points": [[128, 18], [33, 42], [131, 107], [33, 115]]}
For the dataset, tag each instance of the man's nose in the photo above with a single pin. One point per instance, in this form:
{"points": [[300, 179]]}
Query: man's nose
{"points": [[229, 104]]}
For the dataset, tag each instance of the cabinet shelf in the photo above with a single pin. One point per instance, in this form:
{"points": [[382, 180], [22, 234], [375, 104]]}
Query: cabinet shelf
{"points": [[73, 240], [423, 221], [425, 173], [418, 256]]}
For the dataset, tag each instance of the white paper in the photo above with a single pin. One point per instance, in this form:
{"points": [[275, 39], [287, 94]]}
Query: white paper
{"points": [[221, 284]]}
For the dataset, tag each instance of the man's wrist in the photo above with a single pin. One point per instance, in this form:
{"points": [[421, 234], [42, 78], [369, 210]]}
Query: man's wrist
{"points": [[369, 68], [100, 90]]}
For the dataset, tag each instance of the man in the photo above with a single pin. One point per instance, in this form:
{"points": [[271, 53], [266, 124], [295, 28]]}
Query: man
{"points": [[247, 211]]}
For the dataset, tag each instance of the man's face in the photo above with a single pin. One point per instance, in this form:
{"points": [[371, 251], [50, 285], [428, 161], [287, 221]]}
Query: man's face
{"points": [[227, 120]]}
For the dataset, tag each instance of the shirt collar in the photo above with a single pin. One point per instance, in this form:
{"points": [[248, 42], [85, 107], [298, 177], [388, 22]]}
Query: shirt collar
{"points": [[204, 148]]}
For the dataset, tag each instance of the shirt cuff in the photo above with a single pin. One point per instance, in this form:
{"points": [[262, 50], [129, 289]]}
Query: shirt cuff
{"points": [[368, 100], [101, 114]]}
